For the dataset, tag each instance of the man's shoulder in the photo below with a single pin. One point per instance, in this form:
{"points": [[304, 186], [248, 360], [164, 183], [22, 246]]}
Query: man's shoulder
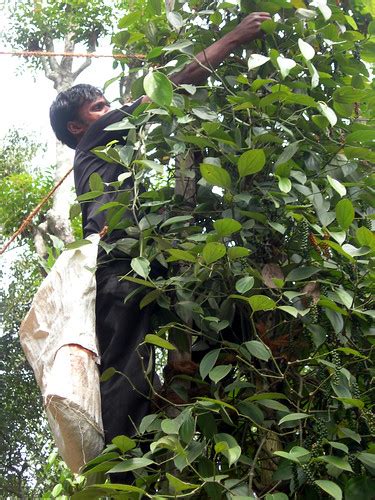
{"points": [[96, 135]]}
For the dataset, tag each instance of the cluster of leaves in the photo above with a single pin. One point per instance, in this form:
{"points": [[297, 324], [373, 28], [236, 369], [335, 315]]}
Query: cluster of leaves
{"points": [[25, 438], [269, 271], [36, 24], [21, 194]]}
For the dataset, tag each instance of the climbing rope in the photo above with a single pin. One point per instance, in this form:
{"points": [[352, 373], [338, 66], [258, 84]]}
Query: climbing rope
{"points": [[34, 212], [43, 53]]}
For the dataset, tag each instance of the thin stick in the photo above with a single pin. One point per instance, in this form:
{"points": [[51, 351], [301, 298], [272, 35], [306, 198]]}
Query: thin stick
{"points": [[34, 212]]}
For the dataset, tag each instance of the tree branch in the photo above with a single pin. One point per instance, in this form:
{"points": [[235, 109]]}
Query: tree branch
{"points": [[83, 66], [92, 43], [52, 59], [67, 62]]}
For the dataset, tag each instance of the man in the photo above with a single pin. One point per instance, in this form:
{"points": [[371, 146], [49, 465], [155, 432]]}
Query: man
{"points": [[79, 117]]}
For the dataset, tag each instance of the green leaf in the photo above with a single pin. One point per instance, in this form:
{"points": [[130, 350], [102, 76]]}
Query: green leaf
{"points": [[251, 162], [290, 310], [237, 252], [330, 487], [91, 195], [285, 184], [78, 244], [339, 446], [273, 405], [213, 251], [139, 281], [176, 20], [306, 49], [365, 237], [261, 303], [124, 443], [105, 490], [266, 395], [226, 226], [141, 266], [150, 297], [276, 496], [256, 60], [258, 349], [245, 284], [328, 113], [151, 338], [344, 213], [158, 88], [293, 416], [176, 220], [232, 451], [338, 462], [360, 487], [337, 186], [171, 425], [96, 183], [107, 374], [295, 454], [301, 273], [187, 430], [352, 402], [286, 65], [205, 114], [366, 458], [215, 175], [177, 254], [57, 490], [208, 362], [131, 464], [288, 153], [177, 485], [362, 136], [219, 372]]}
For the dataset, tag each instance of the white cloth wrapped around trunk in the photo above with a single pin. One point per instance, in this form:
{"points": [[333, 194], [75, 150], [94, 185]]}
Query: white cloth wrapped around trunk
{"points": [[59, 340]]}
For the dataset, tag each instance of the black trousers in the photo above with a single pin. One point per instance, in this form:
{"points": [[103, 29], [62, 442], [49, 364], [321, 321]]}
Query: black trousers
{"points": [[120, 329]]}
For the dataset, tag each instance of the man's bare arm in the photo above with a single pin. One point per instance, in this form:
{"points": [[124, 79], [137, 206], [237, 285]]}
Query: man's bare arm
{"points": [[209, 59]]}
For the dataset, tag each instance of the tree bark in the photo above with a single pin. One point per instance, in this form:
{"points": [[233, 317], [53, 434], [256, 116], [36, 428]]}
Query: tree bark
{"points": [[63, 76]]}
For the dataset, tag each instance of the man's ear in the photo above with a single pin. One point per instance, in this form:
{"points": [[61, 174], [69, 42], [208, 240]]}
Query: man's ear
{"points": [[76, 128]]}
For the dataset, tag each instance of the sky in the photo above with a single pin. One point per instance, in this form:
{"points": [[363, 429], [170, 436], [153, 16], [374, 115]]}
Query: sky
{"points": [[26, 95]]}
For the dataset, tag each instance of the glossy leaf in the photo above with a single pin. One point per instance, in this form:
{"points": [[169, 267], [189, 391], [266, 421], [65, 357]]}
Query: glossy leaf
{"points": [[158, 88], [251, 162]]}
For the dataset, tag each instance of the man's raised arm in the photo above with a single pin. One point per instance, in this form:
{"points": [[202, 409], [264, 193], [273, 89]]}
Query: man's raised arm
{"points": [[209, 59]]}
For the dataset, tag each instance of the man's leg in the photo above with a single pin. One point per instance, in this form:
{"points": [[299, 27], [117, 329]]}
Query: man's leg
{"points": [[120, 329]]}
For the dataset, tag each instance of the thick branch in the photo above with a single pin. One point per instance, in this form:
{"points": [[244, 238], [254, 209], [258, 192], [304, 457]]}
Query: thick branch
{"points": [[52, 60], [92, 42], [46, 63], [83, 66], [67, 62]]}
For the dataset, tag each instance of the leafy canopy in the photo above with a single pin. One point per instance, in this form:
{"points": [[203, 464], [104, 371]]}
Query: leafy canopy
{"points": [[270, 268]]}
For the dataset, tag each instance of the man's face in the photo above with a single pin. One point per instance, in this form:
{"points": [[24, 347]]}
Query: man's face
{"points": [[88, 113]]}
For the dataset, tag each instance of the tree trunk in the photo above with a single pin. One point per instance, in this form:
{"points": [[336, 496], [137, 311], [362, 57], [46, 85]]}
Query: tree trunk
{"points": [[57, 218]]}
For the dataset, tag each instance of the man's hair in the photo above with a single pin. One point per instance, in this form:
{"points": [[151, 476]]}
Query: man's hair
{"points": [[65, 109]]}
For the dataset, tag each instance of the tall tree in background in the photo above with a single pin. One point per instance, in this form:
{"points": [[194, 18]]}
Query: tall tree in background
{"points": [[47, 25], [25, 440]]}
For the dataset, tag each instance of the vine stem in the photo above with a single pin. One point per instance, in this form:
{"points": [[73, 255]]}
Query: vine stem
{"points": [[252, 470]]}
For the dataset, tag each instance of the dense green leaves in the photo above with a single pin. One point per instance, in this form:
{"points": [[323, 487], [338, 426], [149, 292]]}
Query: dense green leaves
{"points": [[251, 234]]}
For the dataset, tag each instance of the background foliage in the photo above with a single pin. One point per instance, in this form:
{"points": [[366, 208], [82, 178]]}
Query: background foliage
{"points": [[269, 270]]}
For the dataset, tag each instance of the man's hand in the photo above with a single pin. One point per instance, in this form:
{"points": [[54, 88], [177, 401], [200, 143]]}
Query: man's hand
{"points": [[209, 59], [250, 28]]}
